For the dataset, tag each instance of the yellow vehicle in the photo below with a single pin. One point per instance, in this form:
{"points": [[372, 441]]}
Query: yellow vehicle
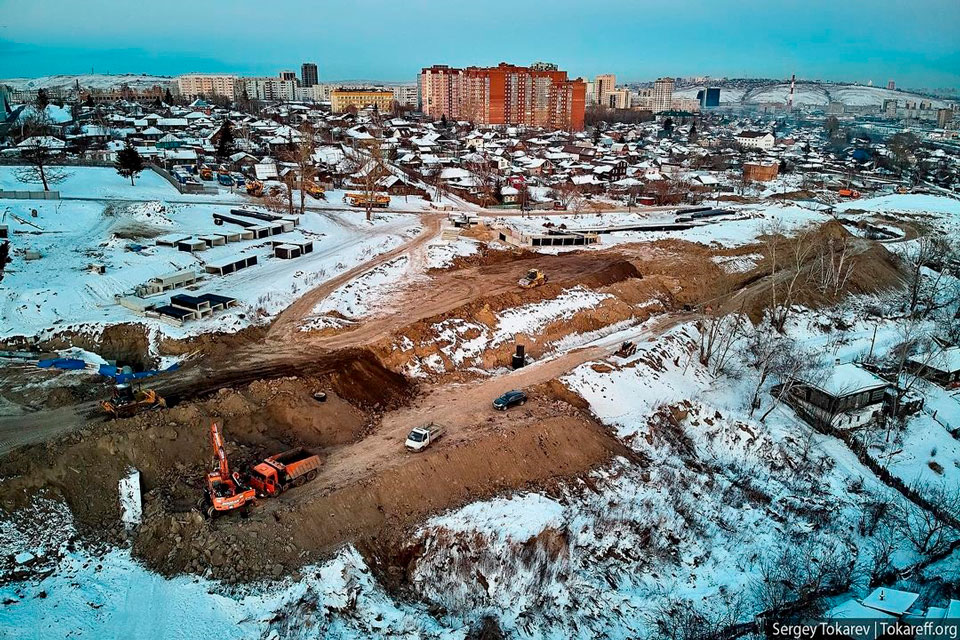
{"points": [[314, 190], [363, 199], [126, 402], [534, 278], [206, 173], [254, 188]]}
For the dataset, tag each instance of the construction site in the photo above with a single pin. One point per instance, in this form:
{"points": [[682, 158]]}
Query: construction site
{"points": [[266, 451]]}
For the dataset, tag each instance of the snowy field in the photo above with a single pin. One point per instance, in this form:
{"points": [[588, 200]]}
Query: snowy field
{"points": [[743, 227], [104, 183], [59, 289]]}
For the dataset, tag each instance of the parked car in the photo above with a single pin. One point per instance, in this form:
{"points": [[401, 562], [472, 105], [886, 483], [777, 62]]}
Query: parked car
{"points": [[509, 399]]}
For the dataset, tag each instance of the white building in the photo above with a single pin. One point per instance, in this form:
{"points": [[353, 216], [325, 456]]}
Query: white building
{"points": [[756, 139], [207, 84], [406, 95], [662, 95], [267, 89]]}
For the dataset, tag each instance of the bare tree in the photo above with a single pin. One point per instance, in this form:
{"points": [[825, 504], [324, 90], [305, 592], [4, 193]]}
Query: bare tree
{"points": [[834, 265], [486, 179], [566, 193], [367, 167], [302, 156], [39, 168], [790, 366], [927, 529], [786, 258], [719, 331]]}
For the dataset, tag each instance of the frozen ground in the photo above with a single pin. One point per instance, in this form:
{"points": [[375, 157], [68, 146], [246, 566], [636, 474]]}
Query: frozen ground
{"points": [[111, 596], [743, 227], [59, 290], [105, 183], [906, 203]]}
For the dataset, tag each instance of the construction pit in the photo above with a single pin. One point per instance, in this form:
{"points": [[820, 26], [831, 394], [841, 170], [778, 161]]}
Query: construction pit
{"points": [[370, 491]]}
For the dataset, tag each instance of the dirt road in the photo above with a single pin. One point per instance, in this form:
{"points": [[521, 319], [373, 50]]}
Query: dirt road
{"points": [[461, 408]]}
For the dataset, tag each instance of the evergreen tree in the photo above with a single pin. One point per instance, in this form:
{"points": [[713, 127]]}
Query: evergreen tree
{"points": [[225, 145], [693, 132], [89, 101], [668, 126], [129, 163], [168, 97]]}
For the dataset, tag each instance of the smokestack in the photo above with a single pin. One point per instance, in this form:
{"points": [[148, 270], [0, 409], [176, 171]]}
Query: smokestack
{"points": [[793, 82]]}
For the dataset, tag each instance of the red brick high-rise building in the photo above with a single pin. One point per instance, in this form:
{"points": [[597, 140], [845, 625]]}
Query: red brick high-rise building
{"points": [[506, 94]]}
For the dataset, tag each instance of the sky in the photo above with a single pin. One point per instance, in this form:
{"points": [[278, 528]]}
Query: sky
{"points": [[914, 42]]}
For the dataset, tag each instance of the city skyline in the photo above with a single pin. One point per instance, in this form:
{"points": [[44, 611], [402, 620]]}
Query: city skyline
{"points": [[855, 42]]}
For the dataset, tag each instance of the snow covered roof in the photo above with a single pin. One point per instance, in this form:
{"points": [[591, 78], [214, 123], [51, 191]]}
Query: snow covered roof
{"points": [[48, 142], [946, 361], [851, 609], [890, 601], [849, 378]]}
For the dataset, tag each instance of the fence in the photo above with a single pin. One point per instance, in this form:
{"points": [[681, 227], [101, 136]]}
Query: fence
{"points": [[30, 195], [182, 188]]}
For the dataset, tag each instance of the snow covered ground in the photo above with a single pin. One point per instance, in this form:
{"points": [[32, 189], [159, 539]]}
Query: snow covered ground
{"points": [[905, 203], [76, 594], [59, 290], [88, 81], [744, 226]]}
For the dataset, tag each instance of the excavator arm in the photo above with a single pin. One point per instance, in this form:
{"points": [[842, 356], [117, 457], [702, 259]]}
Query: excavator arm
{"points": [[217, 441]]}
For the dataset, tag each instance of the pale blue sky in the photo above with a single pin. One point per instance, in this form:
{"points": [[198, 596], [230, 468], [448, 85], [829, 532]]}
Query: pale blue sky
{"points": [[915, 42]]}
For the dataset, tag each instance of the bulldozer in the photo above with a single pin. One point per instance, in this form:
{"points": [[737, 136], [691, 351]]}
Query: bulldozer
{"points": [[314, 190], [224, 492], [127, 402], [534, 278]]}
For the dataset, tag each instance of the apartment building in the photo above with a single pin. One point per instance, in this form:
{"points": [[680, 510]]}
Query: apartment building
{"points": [[343, 99], [505, 94], [267, 88], [441, 91], [602, 86], [662, 94], [308, 74], [618, 99], [406, 95], [207, 84]]}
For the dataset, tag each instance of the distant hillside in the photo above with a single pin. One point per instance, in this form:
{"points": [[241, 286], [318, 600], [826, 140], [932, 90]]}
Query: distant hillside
{"points": [[806, 94], [88, 81]]}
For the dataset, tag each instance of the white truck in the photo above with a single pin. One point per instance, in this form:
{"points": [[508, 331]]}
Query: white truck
{"points": [[422, 437]]}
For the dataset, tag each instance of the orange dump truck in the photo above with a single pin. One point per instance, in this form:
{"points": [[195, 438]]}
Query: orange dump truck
{"points": [[278, 473]]}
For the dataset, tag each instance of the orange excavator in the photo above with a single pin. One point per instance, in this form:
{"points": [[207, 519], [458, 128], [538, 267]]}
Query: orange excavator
{"points": [[225, 492]]}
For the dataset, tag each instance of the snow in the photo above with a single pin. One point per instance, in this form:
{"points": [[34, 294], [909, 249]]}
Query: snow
{"points": [[88, 81], [890, 600], [532, 318], [442, 254], [848, 378], [904, 202], [744, 227], [75, 594], [60, 291], [131, 509], [517, 518], [368, 292]]}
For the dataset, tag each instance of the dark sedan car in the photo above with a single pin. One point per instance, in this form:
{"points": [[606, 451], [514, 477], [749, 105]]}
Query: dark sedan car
{"points": [[509, 399]]}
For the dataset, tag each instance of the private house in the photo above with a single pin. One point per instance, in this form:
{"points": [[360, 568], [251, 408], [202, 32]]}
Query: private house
{"points": [[847, 397], [941, 367]]}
